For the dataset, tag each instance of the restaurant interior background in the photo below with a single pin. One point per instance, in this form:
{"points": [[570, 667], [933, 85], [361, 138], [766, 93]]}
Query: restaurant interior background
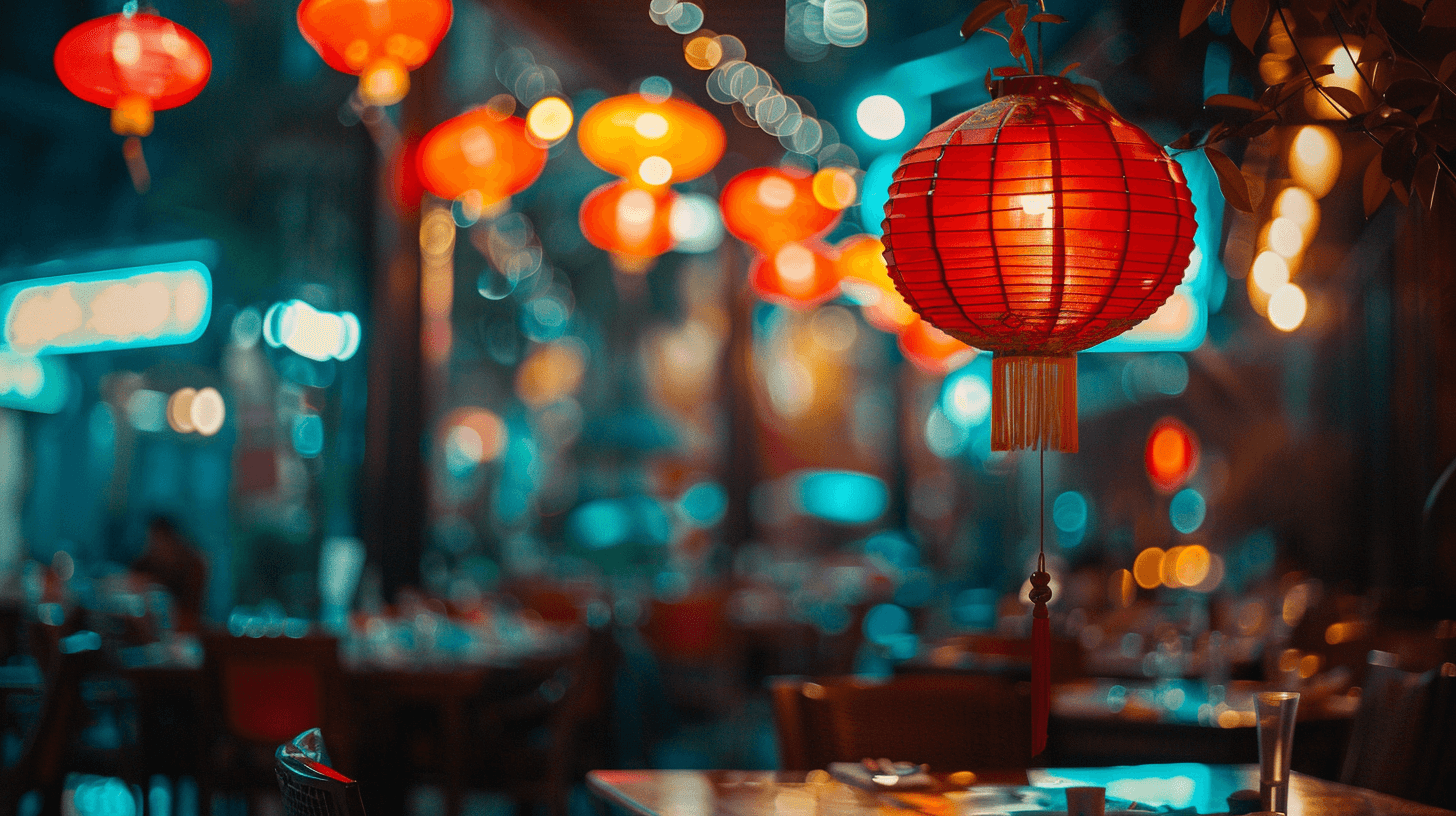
{"points": [[512, 426]]}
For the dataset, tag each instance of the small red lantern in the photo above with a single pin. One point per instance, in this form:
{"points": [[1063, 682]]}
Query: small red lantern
{"points": [[1172, 454], [481, 157], [771, 206], [628, 220], [797, 275], [932, 350], [134, 64], [866, 280], [380, 41], [651, 140], [1035, 226]]}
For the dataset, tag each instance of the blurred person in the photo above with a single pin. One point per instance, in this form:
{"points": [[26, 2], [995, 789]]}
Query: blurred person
{"points": [[172, 561]]}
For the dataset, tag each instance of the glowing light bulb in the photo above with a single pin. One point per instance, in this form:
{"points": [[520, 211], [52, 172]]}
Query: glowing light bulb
{"points": [[655, 170], [550, 119], [651, 125], [1036, 204]]}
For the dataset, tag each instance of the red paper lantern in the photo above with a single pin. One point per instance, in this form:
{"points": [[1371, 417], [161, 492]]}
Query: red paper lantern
{"points": [[134, 64], [380, 41], [1035, 226], [651, 140], [628, 220], [772, 206], [480, 156], [1172, 454], [797, 275]]}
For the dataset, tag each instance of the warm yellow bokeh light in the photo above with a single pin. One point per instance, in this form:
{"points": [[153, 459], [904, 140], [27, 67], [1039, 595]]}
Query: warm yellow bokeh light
{"points": [[550, 119], [207, 411], [775, 193], [1285, 237], [1270, 271], [703, 53], [1343, 61], [1296, 204], [1193, 565], [1287, 307], [650, 125], [383, 83], [1309, 666], [179, 410], [1168, 572], [1147, 568], [835, 188], [1314, 159], [655, 170], [1122, 589], [552, 372]]}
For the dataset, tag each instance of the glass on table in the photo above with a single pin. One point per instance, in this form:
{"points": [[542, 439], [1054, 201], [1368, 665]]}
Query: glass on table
{"points": [[1275, 711]]}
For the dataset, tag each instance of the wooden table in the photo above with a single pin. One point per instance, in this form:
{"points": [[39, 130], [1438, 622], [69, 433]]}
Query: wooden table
{"points": [[1188, 785]]}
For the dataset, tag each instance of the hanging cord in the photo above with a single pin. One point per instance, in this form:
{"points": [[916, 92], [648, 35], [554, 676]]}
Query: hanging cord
{"points": [[1041, 512], [1041, 633]]}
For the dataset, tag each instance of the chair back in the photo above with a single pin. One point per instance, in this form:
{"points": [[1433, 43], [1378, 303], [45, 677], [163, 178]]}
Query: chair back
{"points": [[1436, 785], [268, 689], [950, 722], [309, 786], [1384, 748]]}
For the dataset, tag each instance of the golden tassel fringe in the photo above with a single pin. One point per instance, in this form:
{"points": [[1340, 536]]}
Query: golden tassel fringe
{"points": [[1034, 403]]}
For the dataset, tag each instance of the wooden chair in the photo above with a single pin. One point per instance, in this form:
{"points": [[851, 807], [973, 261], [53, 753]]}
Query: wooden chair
{"points": [[263, 692], [950, 722], [1385, 737]]}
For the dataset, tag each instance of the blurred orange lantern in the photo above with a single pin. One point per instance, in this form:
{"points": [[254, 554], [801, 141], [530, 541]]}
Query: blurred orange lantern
{"points": [[865, 278], [797, 275], [404, 176], [379, 41], [481, 157], [771, 206], [134, 64], [1171, 455], [931, 349], [629, 220], [651, 140]]}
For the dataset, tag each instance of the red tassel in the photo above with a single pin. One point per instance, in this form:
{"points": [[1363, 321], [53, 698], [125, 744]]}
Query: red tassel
{"points": [[1041, 661]]}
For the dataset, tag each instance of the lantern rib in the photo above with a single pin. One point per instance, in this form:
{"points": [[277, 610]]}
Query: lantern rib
{"points": [[1059, 221], [995, 153], [1111, 289], [1172, 182], [935, 243]]}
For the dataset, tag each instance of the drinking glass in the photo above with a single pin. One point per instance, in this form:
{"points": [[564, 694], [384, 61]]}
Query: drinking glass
{"points": [[1275, 710]]}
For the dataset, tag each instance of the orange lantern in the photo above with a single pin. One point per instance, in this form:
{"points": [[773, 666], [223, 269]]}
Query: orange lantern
{"points": [[651, 140], [133, 64], [628, 220], [865, 278], [379, 41], [772, 206], [932, 350], [481, 157], [797, 275], [1172, 454]]}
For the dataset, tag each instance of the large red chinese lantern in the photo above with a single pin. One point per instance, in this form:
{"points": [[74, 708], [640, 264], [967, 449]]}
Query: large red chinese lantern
{"points": [[480, 156], [134, 64], [1035, 226], [379, 41]]}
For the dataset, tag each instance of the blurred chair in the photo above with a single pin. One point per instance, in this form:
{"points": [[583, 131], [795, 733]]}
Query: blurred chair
{"points": [[262, 691], [534, 746], [310, 787], [1384, 752], [1436, 784], [697, 653], [950, 722]]}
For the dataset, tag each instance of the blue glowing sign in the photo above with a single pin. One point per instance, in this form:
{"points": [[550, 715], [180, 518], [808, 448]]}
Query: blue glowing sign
{"points": [[157, 305]]}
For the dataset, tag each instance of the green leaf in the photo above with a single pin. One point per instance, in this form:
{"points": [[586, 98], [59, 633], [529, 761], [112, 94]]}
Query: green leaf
{"points": [[1194, 13], [982, 14], [1248, 19], [1232, 101], [1230, 180], [1346, 99], [1375, 187]]}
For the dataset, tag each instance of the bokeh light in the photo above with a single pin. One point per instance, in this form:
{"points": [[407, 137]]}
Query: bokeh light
{"points": [[881, 117], [1147, 568], [549, 120], [1287, 307], [1187, 511], [1270, 271], [1171, 456], [162, 304], [835, 188], [552, 372], [1314, 159]]}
